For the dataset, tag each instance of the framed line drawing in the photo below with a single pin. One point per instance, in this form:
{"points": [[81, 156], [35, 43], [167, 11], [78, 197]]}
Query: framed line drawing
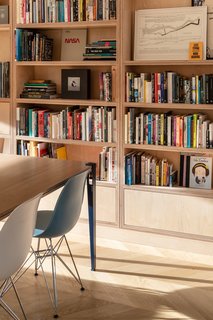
{"points": [[165, 34]]}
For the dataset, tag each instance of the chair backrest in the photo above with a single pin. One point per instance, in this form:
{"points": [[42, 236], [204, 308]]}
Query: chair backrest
{"points": [[68, 207], [16, 237]]}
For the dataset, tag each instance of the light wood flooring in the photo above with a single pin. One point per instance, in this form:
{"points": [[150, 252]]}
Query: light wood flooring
{"points": [[132, 282]]}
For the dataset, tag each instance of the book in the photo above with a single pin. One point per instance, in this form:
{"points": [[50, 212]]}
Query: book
{"points": [[61, 153], [73, 43], [196, 50], [200, 172]]}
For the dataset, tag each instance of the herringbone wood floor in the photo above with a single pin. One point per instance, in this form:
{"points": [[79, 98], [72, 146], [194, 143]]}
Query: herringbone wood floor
{"points": [[132, 282]]}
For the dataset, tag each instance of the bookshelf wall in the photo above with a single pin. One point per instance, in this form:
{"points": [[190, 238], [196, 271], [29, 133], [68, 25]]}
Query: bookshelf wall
{"points": [[166, 211], [6, 136], [76, 149], [176, 211]]}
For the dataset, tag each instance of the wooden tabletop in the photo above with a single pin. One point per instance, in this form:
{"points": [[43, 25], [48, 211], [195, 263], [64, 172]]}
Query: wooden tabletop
{"points": [[21, 178]]}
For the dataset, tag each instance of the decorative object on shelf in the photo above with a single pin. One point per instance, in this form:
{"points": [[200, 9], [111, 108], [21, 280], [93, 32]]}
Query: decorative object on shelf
{"points": [[196, 50], [75, 83], [164, 34], [4, 14], [200, 172], [73, 44]]}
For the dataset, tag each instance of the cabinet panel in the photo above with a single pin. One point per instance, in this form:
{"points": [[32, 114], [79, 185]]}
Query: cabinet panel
{"points": [[105, 205], [192, 215]]}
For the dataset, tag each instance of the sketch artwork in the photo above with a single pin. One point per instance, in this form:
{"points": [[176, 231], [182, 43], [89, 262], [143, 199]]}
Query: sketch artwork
{"points": [[165, 34]]}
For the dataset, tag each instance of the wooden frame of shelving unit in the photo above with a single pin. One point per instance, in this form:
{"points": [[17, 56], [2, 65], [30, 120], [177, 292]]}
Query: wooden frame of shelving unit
{"points": [[178, 212], [23, 71], [6, 134], [161, 210]]}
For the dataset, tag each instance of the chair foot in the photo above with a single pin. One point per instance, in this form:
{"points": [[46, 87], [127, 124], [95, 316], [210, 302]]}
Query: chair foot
{"points": [[56, 316], [36, 274], [82, 288]]}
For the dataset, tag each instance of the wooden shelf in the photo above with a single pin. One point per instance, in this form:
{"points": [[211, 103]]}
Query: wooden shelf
{"points": [[106, 184], [171, 106], [168, 63], [67, 141], [68, 25], [5, 27], [3, 100], [5, 136], [67, 102], [86, 63], [167, 149], [173, 190]]}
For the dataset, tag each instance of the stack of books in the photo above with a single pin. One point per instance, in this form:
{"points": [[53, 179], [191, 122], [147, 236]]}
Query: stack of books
{"points": [[39, 89], [100, 50]]}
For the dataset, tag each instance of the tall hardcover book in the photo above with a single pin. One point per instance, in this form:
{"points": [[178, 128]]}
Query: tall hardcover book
{"points": [[73, 43], [200, 172]]}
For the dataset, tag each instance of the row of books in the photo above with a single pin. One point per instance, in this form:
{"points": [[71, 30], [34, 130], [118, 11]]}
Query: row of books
{"points": [[41, 149], [76, 123], [188, 131], [33, 46], [145, 169], [39, 89], [169, 87], [105, 86], [100, 50], [195, 171], [108, 164], [43, 11], [4, 79]]}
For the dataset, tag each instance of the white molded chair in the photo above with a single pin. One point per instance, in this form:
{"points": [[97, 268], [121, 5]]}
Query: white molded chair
{"points": [[15, 241]]}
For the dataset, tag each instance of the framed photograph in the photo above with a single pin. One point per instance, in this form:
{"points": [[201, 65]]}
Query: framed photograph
{"points": [[197, 2], [165, 34], [75, 83], [200, 172]]}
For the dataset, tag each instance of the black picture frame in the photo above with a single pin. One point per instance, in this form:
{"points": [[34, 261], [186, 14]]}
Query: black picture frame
{"points": [[197, 3], [75, 83]]}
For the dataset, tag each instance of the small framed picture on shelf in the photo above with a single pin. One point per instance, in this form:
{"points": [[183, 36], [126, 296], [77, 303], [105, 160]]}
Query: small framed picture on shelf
{"points": [[4, 14], [75, 83], [196, 3], [200, 172]]}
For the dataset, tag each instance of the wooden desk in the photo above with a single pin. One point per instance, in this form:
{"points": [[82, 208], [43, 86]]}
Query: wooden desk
{"points": [[21, 178]]}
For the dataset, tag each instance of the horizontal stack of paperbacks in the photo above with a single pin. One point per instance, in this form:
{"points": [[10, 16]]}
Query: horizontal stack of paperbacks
{"points": [[64, 10], [74, 122], [100, 50], [193, 130], [169, 87]]}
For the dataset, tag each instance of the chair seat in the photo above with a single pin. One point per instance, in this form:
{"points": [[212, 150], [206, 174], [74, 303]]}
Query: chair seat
{"points": [[43, 220]]}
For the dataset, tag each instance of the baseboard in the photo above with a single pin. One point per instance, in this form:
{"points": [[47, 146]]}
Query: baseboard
{"points": [[147, 239]]}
